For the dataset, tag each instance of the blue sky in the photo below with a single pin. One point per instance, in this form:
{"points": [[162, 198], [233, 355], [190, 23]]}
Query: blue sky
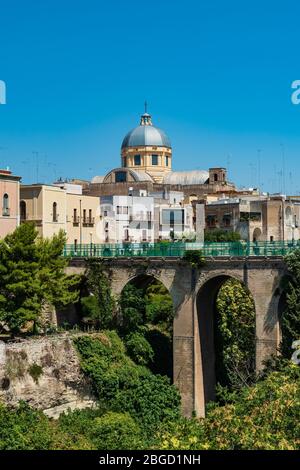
{"points": [[217, 76]]}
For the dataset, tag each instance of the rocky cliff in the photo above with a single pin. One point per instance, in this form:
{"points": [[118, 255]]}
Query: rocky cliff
{"points": [[44, 372]]}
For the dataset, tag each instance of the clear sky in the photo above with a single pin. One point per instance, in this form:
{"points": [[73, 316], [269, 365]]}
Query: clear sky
{"points": [[217, 76]]}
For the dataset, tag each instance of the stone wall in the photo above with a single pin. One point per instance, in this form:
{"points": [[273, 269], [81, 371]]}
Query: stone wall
{"points": [[44, 372]]}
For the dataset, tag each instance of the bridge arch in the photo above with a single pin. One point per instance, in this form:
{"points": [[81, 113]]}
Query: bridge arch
{"points": [[155, 308], [206, 308]]}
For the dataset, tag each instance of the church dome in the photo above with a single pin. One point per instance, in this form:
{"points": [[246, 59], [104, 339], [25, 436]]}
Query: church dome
{"points": [[146, 135]]}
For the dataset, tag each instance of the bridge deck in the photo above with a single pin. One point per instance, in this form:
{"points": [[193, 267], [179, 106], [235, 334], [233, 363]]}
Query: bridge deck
{"points": [[177, 250]]}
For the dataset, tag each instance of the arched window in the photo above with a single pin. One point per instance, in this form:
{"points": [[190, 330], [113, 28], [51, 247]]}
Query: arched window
{"points": [[54, 212], [257, 235], [23, 210], [5, 204]]}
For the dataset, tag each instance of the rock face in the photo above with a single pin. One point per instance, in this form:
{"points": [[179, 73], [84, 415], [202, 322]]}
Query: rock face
{"points": [[44, 372]]}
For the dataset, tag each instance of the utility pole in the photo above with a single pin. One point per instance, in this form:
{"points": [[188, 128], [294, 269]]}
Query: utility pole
{"points": [[80, 224]]}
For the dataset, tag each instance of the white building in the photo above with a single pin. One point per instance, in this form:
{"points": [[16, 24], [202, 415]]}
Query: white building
{"points": [[139, 217]]}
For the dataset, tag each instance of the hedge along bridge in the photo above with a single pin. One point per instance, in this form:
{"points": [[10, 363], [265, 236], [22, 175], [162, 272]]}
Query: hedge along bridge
{"points": [[194, 292], [176, 249]]}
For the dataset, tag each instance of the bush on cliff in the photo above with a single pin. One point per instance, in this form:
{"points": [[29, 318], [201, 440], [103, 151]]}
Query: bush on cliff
{"points": [[123, 386]]}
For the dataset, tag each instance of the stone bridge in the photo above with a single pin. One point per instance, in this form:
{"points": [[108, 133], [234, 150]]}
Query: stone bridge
{"points": [[194, 293]]}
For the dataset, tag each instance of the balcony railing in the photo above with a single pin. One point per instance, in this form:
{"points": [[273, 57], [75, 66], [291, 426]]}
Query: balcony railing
{"points": [[140, 218], [89, 221], [86, 221]]}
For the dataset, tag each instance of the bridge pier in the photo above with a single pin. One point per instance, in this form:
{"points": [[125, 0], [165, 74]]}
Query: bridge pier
{"points": [[264, 289]]}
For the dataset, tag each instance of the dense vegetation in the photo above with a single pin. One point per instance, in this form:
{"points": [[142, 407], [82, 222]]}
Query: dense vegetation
{"points": [[235, 336], [127, 359], [141, 411]]}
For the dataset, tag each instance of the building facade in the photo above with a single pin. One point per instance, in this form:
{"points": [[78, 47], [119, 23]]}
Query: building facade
{"points": [[255, 218], [141, 217], [10, 202], [61, 207]]}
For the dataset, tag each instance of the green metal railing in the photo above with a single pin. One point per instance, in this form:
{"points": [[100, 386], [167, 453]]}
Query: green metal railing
{"points": [[176, 249]]}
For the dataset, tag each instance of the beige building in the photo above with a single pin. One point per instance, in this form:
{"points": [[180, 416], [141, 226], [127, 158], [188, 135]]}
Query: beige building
{"points": [[9, 194], [61, 206], [256, 218]]}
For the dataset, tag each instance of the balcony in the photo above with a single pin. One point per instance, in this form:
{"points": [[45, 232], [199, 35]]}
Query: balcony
{"points": [[88, 222], [6, 212], [140, 218], [76, 220]]}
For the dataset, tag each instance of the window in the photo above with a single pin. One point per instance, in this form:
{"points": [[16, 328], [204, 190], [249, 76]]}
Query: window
{"points": [[75, 244], [106, 225], [144, 235], [227, 220], [90, 216], [167, 160], [23, 210], [211, 220], [271, 238], [124, 161], [54, 212], [126, 235], [119, 210], [125, 210], [121, 176], [137, 160], [5, 205], [154, 159], [105, 213], [75, 217], [173, 218], [216, 176]]}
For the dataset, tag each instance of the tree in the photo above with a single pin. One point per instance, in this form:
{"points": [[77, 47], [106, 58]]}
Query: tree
{"points": [[32, 276], [132, 304], [235, 335], [290, 321], [103, 308], [219, 235]]}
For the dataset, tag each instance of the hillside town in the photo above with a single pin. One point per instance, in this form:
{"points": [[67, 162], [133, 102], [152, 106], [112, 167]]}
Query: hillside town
{"points": [[146, 201]]}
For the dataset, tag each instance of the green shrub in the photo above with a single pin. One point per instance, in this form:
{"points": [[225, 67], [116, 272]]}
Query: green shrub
{"points": [[219, 235], [262, 417], [132, 305], [121, 385], [195, 258], [35, 371], [139, 348], [90, 308], [24, 428], [115, 431]]}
